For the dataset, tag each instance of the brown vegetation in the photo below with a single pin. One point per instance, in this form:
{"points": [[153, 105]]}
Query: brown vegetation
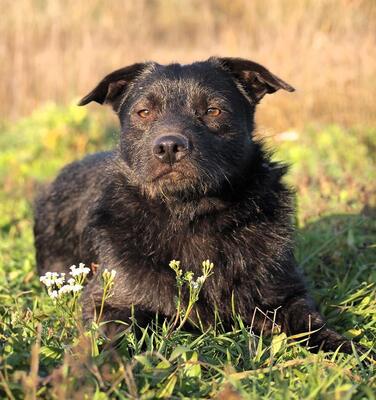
{"points": [[56, 50]]}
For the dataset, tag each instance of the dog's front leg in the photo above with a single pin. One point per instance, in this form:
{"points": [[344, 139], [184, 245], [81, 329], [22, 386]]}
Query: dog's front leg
{"points": [[299, 315]]}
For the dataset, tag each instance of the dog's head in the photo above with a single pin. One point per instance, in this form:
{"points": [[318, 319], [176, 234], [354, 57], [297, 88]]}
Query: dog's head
{"points": [[186, 129]]}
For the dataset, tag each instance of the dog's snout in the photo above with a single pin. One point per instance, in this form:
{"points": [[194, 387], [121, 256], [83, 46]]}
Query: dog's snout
{"points": [[170, 148]]}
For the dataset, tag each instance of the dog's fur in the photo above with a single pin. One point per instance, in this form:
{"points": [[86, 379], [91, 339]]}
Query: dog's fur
{"points": [[225, 201]]}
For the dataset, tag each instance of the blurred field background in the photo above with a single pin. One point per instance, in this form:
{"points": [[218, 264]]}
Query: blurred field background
{"points": [[53, 52], [56, 50]]}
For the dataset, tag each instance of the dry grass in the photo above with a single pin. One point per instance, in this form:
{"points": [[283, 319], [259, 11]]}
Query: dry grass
{"points": [[56, 50]]}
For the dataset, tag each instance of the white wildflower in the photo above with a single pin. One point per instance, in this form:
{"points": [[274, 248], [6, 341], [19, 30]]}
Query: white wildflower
{"points": [[207, 264], [76, 288], [188, 276], [195, 285], [53, 294], [71, 288], [49, 279], [174, 264], [109, 275], [85, 270], [60, 281], [46, 281], [80, 270], [58, 286], [207, 268], [65, 289]]}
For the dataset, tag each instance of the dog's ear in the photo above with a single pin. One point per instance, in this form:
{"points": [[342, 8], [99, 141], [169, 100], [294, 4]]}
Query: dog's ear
{"points": [[111, 88], [254, 78]]}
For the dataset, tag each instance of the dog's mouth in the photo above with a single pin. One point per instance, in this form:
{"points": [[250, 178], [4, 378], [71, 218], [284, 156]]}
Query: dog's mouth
{"points": [[165, 173], [169, 173]]}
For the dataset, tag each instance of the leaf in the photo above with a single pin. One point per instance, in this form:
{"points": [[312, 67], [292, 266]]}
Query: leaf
{"points": [[100, 395], [366, 301], [277, 343], [167, 390], [178, 351], [353, 333], [192, 368], [164, 364], [51, 352], [144, 360]]}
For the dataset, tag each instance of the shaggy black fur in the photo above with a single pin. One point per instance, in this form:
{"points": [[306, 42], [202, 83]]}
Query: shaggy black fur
{"points": [[213, 194]]}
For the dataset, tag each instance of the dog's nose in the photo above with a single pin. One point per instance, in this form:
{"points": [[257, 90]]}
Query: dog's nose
{"points": [[170, 148]]}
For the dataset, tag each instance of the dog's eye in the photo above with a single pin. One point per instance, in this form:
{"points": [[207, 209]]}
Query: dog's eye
{"points": [[144, 113], [213, 112]]}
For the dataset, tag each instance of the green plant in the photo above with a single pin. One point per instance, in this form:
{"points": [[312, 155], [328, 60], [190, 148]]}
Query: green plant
{"points": [[45, 353]]}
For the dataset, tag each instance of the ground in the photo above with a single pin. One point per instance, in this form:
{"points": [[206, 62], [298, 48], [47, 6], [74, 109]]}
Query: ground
{"points": [[44, 353]]}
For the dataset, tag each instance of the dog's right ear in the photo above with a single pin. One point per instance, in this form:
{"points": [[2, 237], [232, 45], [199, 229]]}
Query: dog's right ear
{"points": [[111, 88], [254, 78]]}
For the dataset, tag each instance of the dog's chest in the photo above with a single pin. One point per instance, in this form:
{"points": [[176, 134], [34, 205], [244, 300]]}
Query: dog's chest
{"points": [[194, 243]]}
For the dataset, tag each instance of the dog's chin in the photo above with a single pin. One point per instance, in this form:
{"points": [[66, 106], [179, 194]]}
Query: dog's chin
{"points": [[168, 175], [171, 183]]}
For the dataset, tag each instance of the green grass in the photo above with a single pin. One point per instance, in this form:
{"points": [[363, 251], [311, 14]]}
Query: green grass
{"points": [[44, 353]]}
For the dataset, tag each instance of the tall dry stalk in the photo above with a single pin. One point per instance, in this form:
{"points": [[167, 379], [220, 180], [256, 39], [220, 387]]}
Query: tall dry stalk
{"points": [[57, 50]]}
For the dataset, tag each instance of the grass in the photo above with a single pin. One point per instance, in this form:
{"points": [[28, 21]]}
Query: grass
{"points": [[45, 354]]}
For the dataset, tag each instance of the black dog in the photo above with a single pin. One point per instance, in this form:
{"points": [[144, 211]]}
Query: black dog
{"points": [[188, 182]]}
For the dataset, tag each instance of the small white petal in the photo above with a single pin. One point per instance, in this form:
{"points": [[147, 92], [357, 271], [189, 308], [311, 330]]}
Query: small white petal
{"points": [[46, 281], [60, 281], [85, 270], [65, 289], [53, 294], [194, 285], [76, 288]]}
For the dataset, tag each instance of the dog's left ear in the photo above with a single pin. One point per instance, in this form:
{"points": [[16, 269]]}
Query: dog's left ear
{"points": [[111, 88], [254, 78]]}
